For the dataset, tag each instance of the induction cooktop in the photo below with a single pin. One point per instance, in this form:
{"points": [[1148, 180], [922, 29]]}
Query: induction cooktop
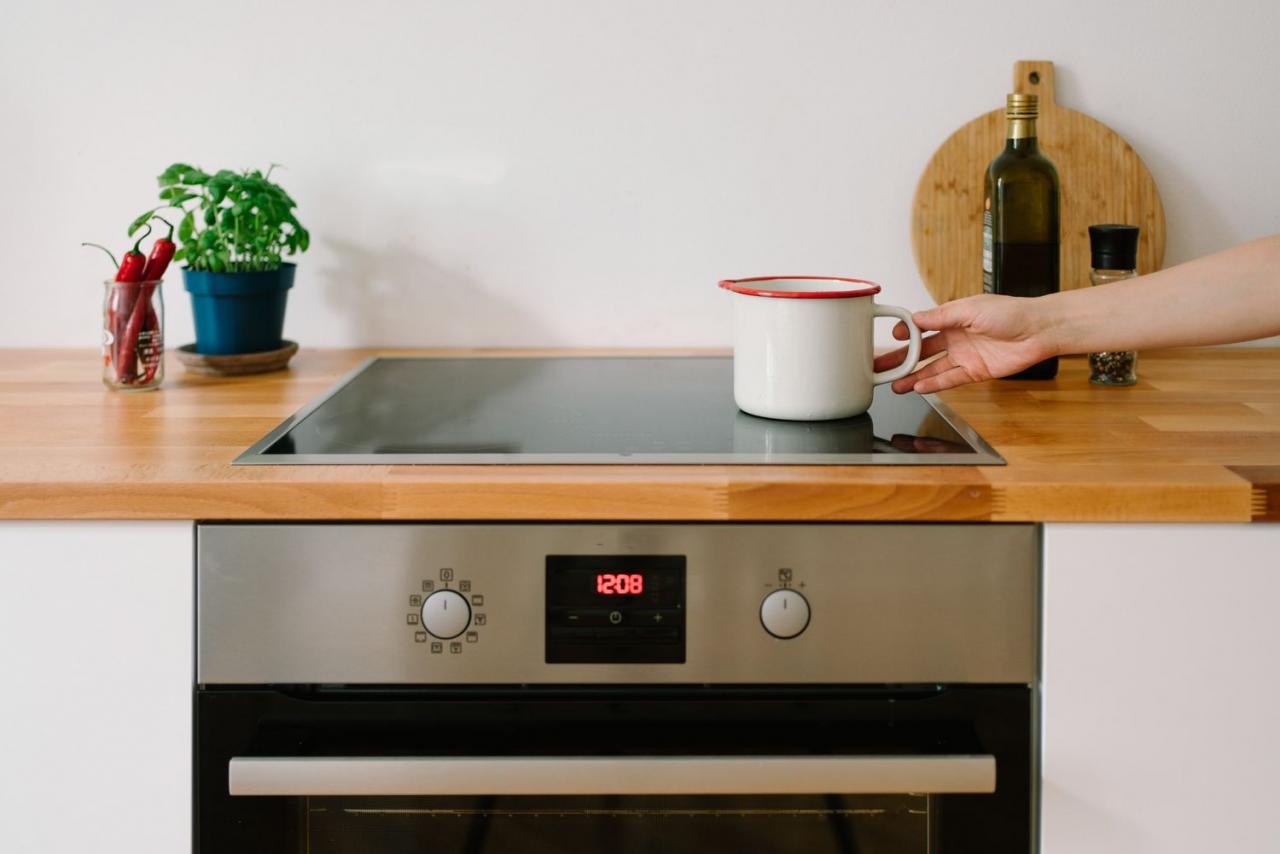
{"points": [[593, 410]]}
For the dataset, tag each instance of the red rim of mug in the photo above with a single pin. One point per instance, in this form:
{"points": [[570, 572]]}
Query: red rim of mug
{"points": [[747, 287]]}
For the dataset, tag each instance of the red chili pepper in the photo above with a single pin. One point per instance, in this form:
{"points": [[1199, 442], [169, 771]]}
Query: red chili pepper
{"points": [[134, 262], [141, 311], [157, 262], [126, 331], [161, 254]]}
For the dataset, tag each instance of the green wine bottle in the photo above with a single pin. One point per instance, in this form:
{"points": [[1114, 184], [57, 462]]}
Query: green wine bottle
{"points": [[1020, 219]]}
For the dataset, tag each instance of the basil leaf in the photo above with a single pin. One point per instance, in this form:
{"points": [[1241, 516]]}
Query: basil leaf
{"points": [[141, 221]]}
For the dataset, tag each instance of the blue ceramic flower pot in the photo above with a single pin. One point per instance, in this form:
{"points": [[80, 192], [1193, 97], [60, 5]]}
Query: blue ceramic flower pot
{"points": [[239, 312]]}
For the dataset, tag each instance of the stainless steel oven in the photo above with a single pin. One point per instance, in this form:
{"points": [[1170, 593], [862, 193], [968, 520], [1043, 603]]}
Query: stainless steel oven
{"points": [[485, 689]]}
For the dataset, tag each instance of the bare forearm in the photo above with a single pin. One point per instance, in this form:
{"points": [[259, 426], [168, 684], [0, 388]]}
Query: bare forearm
{"points": [[1223, 298]]}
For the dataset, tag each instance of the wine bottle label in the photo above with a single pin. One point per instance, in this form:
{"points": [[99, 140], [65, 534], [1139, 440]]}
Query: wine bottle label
{"points": [[988, 264]]}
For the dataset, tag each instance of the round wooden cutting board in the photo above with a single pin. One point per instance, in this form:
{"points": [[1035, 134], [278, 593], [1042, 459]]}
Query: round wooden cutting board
{"points": [[1102, 181]]}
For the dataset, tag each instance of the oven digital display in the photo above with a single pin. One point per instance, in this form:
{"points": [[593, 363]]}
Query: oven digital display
{"points": [[620, 583], [615, 581], [615, 608]]}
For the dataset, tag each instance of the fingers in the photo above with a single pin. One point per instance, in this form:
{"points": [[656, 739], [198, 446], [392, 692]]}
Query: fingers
{"points": [[946, 316], [900, 331], [910, 381], [945, 380], [933, 318], [904, 385], [931, 346], [892, 359]]}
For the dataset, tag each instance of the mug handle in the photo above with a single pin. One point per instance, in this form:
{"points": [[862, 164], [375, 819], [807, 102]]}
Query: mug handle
{"points": [[913, 346]]}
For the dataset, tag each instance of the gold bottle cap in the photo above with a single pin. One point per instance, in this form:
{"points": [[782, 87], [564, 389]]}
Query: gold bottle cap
{"points": [[1021, 106]]}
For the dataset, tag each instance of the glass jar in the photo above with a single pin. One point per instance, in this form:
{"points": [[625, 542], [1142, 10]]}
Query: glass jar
{"points": [[1117, 367], [1113, 252], [132, 335]]}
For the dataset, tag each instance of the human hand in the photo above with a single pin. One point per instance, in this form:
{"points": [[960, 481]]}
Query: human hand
{"points": [[979, 338]]}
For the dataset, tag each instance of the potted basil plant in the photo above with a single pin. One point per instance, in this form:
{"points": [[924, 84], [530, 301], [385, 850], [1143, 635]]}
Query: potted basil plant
{"points": [[236, 229]]}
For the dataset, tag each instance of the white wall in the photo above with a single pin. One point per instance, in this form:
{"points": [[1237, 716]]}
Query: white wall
{"points": [[583, 172]]}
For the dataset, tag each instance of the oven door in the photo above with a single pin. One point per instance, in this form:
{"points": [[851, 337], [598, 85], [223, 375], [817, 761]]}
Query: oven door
{"points": [[679, 770]]}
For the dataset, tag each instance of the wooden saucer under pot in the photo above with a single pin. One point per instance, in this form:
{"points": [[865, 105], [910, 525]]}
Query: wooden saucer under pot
{"points": [[236, 364]]}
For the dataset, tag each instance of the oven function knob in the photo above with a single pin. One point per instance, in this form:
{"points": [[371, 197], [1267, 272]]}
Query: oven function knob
{"points": [[784, 613], [446, 614]]}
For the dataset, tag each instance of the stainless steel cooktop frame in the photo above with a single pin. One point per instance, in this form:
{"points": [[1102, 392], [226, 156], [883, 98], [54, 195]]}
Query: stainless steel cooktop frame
{"points": [[983, 454]]}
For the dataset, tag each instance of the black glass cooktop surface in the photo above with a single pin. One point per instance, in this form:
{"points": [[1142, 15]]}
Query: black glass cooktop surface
{"points": [[594, 411]]}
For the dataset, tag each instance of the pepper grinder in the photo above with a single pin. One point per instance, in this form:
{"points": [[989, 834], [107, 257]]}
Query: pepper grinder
{"points": [[1115, 258]]}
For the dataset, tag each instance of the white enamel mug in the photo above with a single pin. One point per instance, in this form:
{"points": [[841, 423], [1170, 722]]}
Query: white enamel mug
{"points": [[803, 347]]}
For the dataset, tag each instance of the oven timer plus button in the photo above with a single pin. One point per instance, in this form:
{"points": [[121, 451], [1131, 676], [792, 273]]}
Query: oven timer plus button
{"points": [[784, 613], [446, 614]]}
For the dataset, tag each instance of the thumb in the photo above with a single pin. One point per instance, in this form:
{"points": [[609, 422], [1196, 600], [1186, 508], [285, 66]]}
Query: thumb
{"points": [[946, 316]]}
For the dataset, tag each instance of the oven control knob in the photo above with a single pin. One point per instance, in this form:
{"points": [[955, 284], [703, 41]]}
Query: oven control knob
{"points": [[784, 613], [446, 614]]}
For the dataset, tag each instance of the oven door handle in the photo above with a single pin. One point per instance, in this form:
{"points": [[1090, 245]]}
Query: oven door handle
{"points": [[611, 775]]}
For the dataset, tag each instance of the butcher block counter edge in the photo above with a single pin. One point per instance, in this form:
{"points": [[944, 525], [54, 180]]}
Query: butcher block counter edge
{"points": [[1196, 440]]}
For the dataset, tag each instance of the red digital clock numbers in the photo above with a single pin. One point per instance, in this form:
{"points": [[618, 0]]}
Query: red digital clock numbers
{"points": [[619, 584]]}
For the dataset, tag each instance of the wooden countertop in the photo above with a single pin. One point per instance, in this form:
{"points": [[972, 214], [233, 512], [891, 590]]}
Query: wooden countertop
{"points": [[1198, 439]]}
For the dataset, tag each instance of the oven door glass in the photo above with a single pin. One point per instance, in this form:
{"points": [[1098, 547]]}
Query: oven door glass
{"points": [[673, 770], [838, 824]]}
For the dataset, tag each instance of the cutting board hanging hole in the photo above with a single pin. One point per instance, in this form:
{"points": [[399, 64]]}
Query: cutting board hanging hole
{"points": [[1034, 77]]}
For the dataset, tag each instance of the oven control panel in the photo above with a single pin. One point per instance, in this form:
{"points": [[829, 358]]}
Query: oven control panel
{"points": [[447, 615], [558, 604]]}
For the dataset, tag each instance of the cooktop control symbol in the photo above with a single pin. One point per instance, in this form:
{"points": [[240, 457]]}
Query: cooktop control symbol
{"points": [[446, 614], [784, 613]]}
